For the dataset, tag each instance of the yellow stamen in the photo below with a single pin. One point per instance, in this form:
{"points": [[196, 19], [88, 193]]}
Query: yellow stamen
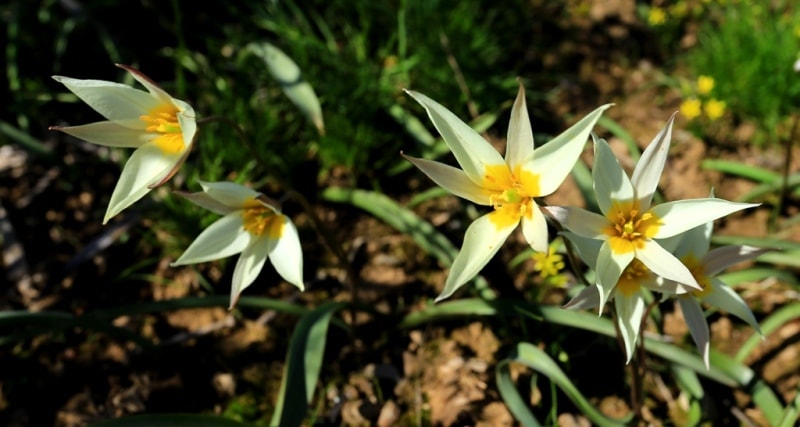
{"points": [[163, 121], [629, 228], [631, 279], [259, 220], [512, 194]]}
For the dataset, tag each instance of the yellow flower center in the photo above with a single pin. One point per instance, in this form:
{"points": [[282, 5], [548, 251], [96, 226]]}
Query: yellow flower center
{"points": [[631, 279], [511, 195], [163, 121], [260, 220], [698, 270], [629, 228]]}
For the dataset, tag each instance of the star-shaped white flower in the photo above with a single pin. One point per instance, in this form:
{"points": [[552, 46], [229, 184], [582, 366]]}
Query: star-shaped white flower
{"points": [[160, 127], [508, 184], [252, 226], [629, 226], [692, 249]]}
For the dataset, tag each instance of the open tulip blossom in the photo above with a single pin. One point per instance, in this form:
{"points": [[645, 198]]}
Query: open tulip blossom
{"points": [[629, 227], [252, 226], [693, 251], [160, 127], [508, 184]]}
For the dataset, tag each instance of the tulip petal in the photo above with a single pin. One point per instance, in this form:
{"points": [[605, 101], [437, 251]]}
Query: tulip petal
{"points": [[647, 172], [114, 101], [519, 143], [721, 258], [609, 269], [107, 133], [229, 193], [579, 221], [249, 265], [588, 249], [696, 321], [534, 228], [451, 179], [554, 160], [630, 310], [682, 215], [145, 167], [611, 184], [725, 298], [223, 238], [205, 201], [150, 85], [481, 242], [664, 264], [287, 255], [472, 152], [586, 298], [694, 241]]}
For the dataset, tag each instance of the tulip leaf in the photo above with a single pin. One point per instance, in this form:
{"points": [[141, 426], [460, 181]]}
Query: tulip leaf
{"points": [[536, 359], [170, 420], [771, 324], [303, 363], [286, 72]]}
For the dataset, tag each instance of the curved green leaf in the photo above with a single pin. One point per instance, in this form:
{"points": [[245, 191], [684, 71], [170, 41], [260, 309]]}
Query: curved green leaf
{"points": [[536, 359], [776, 320], [170, 420], [303, 363]]}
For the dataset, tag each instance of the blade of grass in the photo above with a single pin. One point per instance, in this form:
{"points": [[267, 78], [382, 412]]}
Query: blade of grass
{"points": [[303, 363], [769, 325], [536, 359]]}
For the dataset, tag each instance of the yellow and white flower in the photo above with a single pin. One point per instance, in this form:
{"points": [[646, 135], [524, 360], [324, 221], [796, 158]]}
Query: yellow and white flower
{"points": [[252, 226], [508, 184], [160, 128]]}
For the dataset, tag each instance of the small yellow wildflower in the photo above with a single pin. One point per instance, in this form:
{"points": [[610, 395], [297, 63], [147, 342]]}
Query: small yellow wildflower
{"points": [[548, 264], [714, 109], [679, 10], [705, 84], [657, 16], [691, 108]]}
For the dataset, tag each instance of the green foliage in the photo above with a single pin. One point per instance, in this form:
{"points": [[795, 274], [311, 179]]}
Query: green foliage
{"points": [[749, 48]]}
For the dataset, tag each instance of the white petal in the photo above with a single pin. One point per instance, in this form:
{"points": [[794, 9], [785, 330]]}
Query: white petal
{"points": [[249, 265], [721, 258], [682, 215], [146, 166], [696, 321], [519, 143], [586, 298], [188, 122], [534, 228], [588, 249], [648, 170], [694, 241], [452, 179], [725, 298], [664, 264], [153, 88], [223, 238], [205, 201], [554, 160], [287, 255], [579, 221], [610, 181], [630, 311], [482, 240], [113, 100], [609, 269], [109, 134], [229, 193], [472, 152]]}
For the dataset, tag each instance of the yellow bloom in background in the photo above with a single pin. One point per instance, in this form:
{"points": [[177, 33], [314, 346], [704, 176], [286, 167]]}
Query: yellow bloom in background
{"points": [[548, 264], [657, 16], [679, 10], [705, 85], [714, 109], [691, 108]]}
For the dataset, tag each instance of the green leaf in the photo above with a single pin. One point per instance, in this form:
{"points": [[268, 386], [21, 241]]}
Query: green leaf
{"points": [[287, 73], [303, 363], [536, 359], [170, 420], [769, 325]]}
